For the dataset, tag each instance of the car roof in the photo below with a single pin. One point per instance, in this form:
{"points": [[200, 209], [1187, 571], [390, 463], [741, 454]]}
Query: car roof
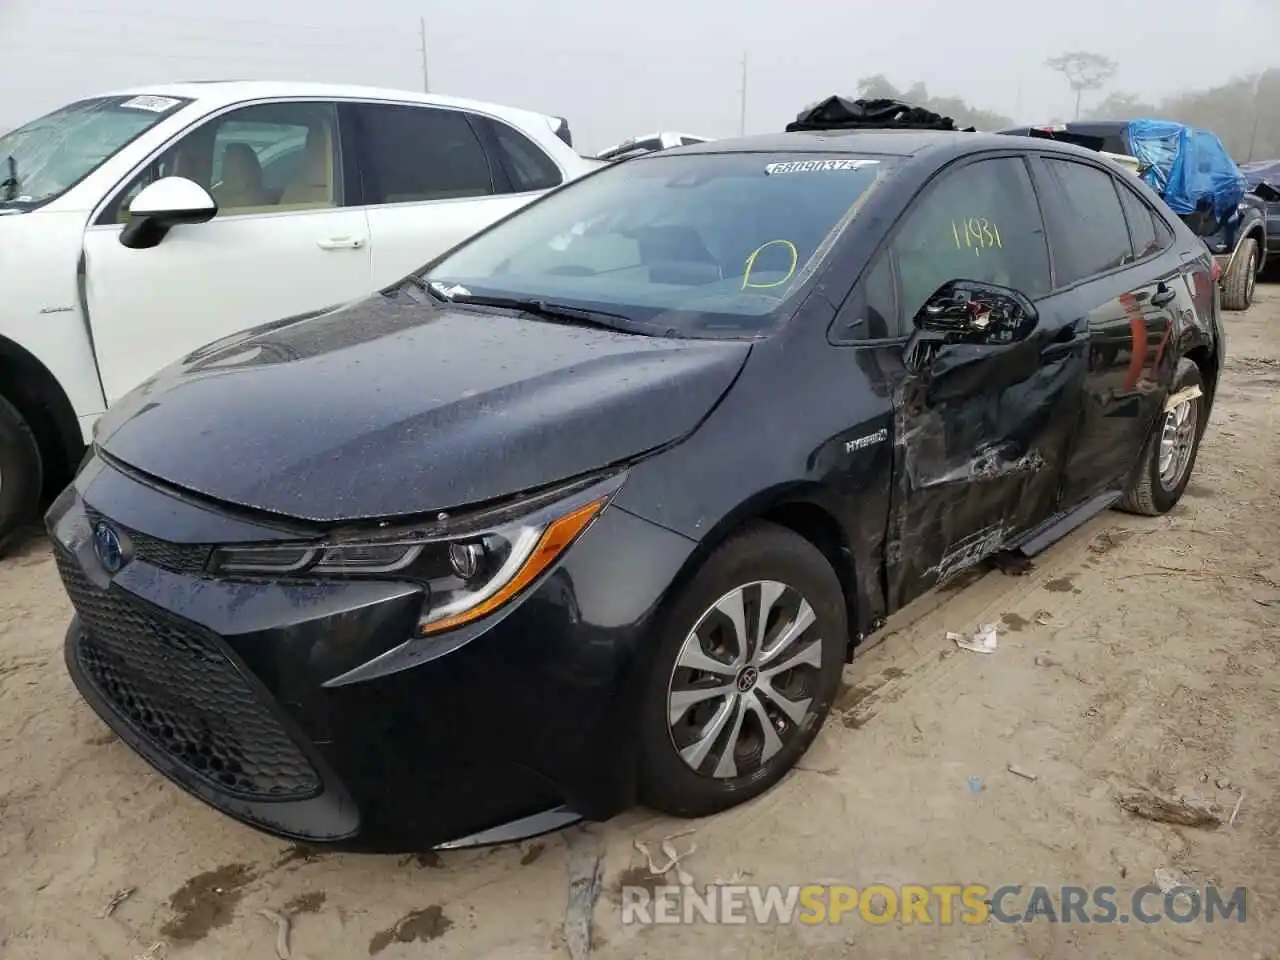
{"points": [[213, 94], [901, 143]]}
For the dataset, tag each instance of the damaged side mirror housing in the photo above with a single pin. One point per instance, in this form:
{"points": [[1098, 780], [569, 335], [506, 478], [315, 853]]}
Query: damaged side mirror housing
{"points": [[974, 312]]}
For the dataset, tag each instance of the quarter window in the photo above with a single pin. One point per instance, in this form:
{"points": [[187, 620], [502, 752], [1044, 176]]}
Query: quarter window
{"points": [[1143, 225], [980, 222], [1094, 237], [412, 154], [527, 166]]}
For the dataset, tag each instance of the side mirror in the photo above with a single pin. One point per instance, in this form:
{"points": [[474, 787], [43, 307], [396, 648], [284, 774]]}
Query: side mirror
{"points": [[970, 311], [163, 205], [1265, 191]]}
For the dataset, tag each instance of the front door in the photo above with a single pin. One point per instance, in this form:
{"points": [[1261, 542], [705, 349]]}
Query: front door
{"points": [[282, 243], [981, 430]]}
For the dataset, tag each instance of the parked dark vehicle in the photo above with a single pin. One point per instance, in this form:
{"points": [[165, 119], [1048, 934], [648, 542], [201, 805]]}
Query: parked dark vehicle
{"points": [[593, 510], [1267, 172], [1238, 242]]}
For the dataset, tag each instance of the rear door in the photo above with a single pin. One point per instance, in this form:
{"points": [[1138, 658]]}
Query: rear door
{"points": [[980, 431], [283, 242], [1113, 257], [430, 182]]}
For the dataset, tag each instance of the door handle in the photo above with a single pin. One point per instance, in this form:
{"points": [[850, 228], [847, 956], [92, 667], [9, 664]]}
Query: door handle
{"points": [[341, 243], [1163, 296]]}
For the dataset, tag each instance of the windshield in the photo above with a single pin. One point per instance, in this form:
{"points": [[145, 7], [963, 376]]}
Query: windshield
{"points": [[697, 245], [47, 157]]}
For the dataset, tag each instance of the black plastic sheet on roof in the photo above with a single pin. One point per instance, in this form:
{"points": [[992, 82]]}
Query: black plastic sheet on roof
{"points": [[838, 113]]}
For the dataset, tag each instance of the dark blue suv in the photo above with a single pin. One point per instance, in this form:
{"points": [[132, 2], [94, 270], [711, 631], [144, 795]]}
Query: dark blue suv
{"points": [[1267, 172]]}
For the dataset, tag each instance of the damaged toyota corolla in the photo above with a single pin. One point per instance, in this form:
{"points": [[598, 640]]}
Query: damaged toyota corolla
{"points": [[593, 509]]}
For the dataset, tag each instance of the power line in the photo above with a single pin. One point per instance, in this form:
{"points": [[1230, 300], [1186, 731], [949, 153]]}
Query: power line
{"points": [[115, 15], [275, 44], [228, 57]]}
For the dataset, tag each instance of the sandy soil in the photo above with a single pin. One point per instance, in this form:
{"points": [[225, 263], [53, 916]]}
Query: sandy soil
{"points": [[1137, 653]]}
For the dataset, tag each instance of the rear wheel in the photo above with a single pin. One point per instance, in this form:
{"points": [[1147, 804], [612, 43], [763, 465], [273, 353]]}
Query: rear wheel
{"points": [[1239, 283], [746, 672], [20, 475], [1170, 452]]}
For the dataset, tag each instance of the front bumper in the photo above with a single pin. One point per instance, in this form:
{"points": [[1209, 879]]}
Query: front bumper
{"points": [[299, 708]]}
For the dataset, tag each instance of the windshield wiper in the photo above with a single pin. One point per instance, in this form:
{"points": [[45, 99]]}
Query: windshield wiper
{"points": [[555, 312]]}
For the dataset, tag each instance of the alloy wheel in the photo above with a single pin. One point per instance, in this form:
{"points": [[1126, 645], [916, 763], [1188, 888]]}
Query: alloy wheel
{"points": [[1177, 441], [744, 679], [1251, 279]]}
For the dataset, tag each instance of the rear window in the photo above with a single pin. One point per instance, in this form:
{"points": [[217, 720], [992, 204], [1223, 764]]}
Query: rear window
{"points": [[708, 241]]}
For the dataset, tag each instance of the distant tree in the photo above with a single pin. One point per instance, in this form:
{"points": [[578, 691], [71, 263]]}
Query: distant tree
{"points": [[1244, 113], [1083, 71], [877, 87], [1121, 106]]}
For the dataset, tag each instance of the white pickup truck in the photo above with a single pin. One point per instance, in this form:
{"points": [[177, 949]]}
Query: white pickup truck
{"points": [[138, 226]]}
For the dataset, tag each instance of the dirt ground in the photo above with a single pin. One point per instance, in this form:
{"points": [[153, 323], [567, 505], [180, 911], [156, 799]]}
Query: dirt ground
{"points": [[1136, 653]]}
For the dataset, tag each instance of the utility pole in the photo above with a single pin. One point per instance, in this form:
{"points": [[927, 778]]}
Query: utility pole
{"points": [[742, 113], [1257, 114], [422, 38]]}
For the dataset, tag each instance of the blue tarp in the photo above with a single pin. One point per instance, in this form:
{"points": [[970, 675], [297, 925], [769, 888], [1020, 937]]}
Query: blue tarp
{"points": [[1189, 168]]}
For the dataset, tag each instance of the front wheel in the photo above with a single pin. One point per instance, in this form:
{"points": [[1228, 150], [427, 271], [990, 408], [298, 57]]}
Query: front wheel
{"points": [[20, 475], [1239, 283], [1169, 455], [745, 673]]}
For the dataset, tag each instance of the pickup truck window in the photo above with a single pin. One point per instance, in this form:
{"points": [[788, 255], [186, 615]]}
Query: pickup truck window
{"points": [[45, 158]]}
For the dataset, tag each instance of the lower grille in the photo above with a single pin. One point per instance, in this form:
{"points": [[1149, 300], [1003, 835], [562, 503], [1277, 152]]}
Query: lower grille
{"points": [[174, 684]]}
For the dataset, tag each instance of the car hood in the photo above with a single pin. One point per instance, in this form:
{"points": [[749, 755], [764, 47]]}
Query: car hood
{"points": [[392, 407]]}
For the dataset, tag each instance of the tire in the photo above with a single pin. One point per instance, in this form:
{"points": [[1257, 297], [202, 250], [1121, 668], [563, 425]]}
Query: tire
{"points": [[21, 475], [1238, 286], [1149, 493], [758, 562]]}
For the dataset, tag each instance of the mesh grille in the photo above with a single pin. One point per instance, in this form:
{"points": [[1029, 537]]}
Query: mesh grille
{"points": [[178, 557], [177, 687]]}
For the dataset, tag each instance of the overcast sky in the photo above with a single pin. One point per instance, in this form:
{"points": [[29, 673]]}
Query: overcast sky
{"points": [[620, 69]]}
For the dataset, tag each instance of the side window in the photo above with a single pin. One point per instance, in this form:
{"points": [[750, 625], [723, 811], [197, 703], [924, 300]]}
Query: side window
{"points": [[872, 310], [882, 301], [415, 153], [527, 165], [268, 158], [1094, 238], [1142, 224], [980, 222]]}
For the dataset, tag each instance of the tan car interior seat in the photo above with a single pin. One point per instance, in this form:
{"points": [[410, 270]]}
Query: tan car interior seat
{"points": [[241, 185], [314, 185]]}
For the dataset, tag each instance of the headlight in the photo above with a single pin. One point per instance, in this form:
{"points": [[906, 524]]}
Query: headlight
{"points": [[479, 565]]}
